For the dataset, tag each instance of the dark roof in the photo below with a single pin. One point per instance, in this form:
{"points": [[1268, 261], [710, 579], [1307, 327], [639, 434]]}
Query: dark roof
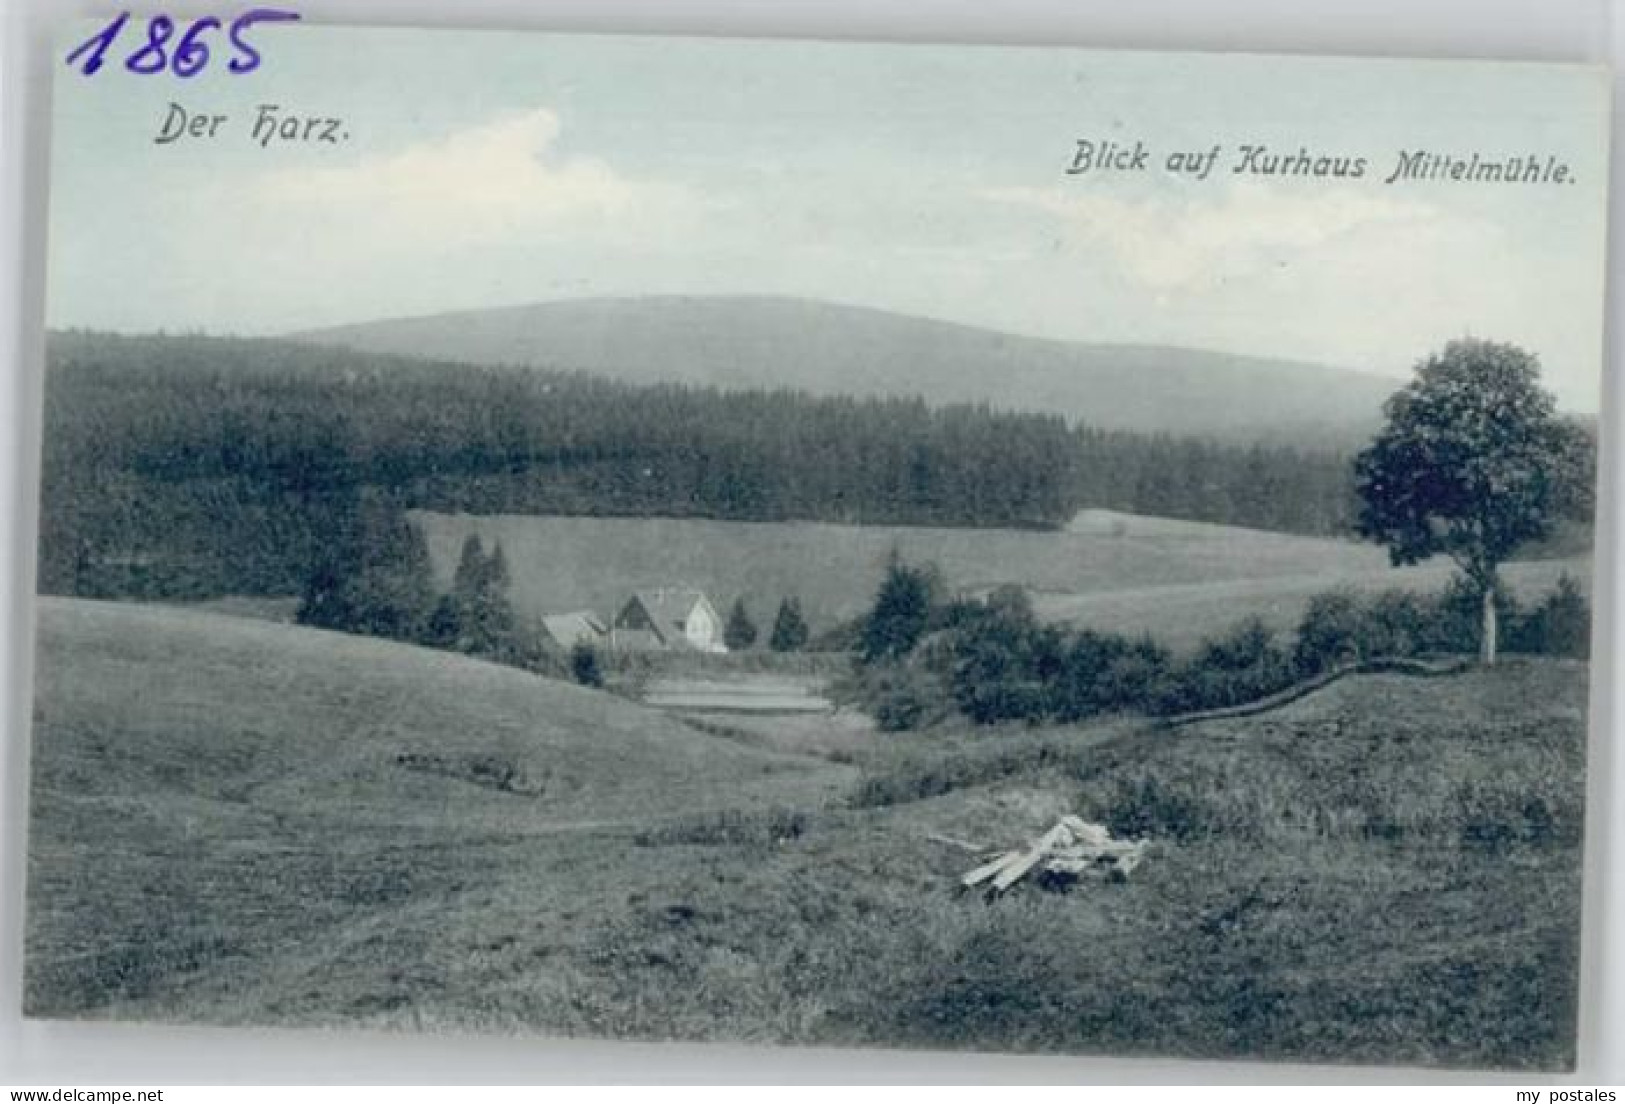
{"points": [[667, 608], [669, 605]]}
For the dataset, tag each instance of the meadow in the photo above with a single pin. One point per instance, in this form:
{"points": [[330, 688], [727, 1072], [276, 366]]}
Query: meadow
{"points": [[236, 821], [1178, 580]]}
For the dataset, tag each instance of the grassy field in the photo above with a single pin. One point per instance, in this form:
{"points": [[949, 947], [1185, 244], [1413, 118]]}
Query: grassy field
{"points": [[1181, 615], [1178, 580], [208, 787], [1387, 870], [240, 822]]}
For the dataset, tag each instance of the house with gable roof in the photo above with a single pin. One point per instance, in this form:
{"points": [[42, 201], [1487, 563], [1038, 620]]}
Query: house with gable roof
{"points": [[571, 629], [678, 617]]}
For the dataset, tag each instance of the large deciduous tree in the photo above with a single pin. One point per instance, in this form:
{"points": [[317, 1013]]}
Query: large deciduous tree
{"points": [[1473, 462]]}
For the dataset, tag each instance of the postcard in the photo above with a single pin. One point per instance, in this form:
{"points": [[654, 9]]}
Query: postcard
{"points": [[986, 548]]}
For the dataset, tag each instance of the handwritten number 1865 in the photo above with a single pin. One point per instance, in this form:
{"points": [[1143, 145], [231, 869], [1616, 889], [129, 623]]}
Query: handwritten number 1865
{"points": [[191, 52]]}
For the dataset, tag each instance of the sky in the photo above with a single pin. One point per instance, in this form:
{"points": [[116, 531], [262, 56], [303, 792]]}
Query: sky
{"points": [[490, 168]]}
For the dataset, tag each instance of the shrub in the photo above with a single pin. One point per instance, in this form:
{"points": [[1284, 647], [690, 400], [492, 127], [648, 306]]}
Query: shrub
{"points": [[1004, 664], [1103, 673], [1399, 623], [1560, 625], [1458, 617], [992, 699], [1131, 680], [1340, 627], [1081, 691], [1246, 646], [994, 662], [1146, 806], [1241, 666], [584, 665], [1332, 632], [902, 697]]}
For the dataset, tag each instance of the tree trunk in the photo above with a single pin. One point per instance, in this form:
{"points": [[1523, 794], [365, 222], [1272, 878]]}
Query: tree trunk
{"points": [[1487, 641]]}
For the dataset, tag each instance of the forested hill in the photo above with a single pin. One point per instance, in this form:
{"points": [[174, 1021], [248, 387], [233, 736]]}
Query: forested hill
{"points": [[216, 465], [750, 342]]}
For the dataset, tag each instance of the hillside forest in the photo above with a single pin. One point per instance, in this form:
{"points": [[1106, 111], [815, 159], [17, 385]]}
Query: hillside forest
{"points": [[190, 466]]}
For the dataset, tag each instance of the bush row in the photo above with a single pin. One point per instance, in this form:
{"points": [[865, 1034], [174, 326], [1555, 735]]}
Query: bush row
{"points": [[991, 660], [1343, 626]]}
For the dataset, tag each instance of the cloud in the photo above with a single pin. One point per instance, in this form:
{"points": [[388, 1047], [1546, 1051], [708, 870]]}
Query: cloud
{"points": [[493, 181], [1169, 245], [1360, 278]]}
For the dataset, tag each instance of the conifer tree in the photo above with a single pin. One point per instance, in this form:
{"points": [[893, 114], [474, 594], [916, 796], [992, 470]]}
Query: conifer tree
{"points": [[740, 631], [789, 627]]}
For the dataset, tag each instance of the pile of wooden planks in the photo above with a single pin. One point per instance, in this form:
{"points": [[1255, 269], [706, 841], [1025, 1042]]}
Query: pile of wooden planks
{"points": [[1072, 850]]}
